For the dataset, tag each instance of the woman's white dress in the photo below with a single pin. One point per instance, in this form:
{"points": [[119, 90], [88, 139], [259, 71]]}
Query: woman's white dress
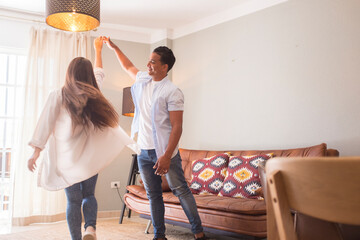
{"points": [[73, 156]]}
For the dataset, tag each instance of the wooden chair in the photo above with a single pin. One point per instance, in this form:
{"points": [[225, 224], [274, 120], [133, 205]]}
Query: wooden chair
{"points": [[326, 188]]}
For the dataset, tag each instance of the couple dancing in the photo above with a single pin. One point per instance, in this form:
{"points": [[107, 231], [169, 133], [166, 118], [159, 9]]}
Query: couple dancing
{"points": [[81, 128]]}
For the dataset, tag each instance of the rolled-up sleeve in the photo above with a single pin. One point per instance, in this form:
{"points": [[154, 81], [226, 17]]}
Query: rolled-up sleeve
{"points": [[176, 101], [47, 120], [99, 76]]}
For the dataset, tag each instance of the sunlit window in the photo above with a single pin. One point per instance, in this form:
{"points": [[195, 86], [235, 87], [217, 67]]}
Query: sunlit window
{"points": [[12, 78]]}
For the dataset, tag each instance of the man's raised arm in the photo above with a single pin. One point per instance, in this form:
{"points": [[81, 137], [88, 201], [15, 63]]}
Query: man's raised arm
{"points": [[125, 63]]}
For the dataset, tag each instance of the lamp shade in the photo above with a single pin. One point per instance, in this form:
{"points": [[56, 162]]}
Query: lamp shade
{"points": [[73, 15], [127, 104]]}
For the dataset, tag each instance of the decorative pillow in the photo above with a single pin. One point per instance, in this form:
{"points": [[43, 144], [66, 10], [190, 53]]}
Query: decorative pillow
{"points": [[208, 174], [242, 178]]}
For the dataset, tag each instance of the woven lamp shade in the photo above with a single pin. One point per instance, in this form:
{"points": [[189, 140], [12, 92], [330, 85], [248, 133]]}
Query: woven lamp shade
{"points": [[73, 15], [128, 104]]}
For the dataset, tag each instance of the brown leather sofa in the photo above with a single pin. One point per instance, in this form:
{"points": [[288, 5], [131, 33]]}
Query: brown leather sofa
{"points": [[222, 215]]}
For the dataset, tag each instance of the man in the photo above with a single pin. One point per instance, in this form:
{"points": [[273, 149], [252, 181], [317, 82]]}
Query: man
{"points": [[159, 107]]}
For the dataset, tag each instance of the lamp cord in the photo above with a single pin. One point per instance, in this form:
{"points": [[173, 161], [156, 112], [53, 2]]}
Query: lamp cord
{"points": [[117, 189]]}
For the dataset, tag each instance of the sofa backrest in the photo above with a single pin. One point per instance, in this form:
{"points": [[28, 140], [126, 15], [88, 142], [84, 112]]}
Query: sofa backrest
{"points": [[188, 156]]}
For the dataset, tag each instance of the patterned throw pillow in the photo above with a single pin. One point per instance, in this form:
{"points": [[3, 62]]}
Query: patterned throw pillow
{"points": [[208, 174], [242, 178]]}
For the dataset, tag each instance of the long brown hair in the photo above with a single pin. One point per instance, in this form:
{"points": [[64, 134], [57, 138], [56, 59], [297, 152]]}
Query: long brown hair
{"points": [[83, 99]]}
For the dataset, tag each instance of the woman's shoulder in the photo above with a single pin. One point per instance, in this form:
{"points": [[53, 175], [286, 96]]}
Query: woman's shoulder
{"points": [[55, 96], [57, 93]]}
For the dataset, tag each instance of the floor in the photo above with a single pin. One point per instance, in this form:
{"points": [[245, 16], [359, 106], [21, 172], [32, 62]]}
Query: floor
{"points": [[132, 228]]}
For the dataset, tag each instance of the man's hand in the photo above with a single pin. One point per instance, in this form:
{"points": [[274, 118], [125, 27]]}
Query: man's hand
{"points": [[33, 158], [162, 165], [125, 63], [109, 43]]}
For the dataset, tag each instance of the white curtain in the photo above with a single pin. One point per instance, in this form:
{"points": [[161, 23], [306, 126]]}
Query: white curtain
{"points": [[50, 53]]}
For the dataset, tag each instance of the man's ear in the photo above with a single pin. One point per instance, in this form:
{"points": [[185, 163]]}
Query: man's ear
{"points": [[166, 67]]}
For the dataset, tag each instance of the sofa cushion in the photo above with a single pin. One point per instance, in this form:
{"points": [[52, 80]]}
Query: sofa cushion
{"points": [[213, 202], [208, 174], [229, 204], [242, 178], [188, 155], [137, 190]]}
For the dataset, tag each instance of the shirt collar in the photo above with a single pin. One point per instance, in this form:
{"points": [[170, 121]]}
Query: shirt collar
{"points": [[162, 81]]}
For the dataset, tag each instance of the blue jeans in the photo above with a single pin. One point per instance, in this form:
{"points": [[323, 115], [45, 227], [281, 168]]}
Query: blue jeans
{"points": [[81, 194], [177, 184]]}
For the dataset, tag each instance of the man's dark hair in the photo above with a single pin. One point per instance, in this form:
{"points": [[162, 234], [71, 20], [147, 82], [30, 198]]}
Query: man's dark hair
{"points": [[166, 56]]}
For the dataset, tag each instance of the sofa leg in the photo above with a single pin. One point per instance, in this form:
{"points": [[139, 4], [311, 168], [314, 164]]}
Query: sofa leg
{"points": [[148, 227]]}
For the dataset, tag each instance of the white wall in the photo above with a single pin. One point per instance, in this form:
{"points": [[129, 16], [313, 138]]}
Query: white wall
{"points": [[284, 77]]}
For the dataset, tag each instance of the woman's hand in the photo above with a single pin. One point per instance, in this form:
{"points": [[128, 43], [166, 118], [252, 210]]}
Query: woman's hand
{"points": [[98, 43], [33, 158]]}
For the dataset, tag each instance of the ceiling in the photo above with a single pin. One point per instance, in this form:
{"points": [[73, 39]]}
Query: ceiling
{"points": [[179, 17]]}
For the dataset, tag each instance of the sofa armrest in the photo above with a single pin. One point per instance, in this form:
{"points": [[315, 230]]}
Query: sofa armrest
{"points": [[262, 175]]}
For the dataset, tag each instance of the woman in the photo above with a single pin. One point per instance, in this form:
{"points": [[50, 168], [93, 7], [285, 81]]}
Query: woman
{"points": [[83, 136]]}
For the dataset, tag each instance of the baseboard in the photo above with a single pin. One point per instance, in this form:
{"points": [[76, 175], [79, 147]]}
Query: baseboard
{"points": [[62, 217], [114, 214], [108, 214], [24, 221]]}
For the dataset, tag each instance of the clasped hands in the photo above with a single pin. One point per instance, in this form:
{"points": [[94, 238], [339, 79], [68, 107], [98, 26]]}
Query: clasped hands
{"points": [[98, 43]]}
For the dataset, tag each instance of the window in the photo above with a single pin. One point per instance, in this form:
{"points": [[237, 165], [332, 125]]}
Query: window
{"points": [[12, 79]]}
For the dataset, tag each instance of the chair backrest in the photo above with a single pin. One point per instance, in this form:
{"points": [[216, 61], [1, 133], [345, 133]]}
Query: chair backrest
{"points": [[327, 188]]}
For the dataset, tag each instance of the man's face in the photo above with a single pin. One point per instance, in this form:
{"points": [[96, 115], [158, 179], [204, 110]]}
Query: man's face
{"points": [[155, 67]]}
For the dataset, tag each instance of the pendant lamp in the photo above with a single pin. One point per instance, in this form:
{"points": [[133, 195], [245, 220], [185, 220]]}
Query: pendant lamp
{"points": [[73, 15]]}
